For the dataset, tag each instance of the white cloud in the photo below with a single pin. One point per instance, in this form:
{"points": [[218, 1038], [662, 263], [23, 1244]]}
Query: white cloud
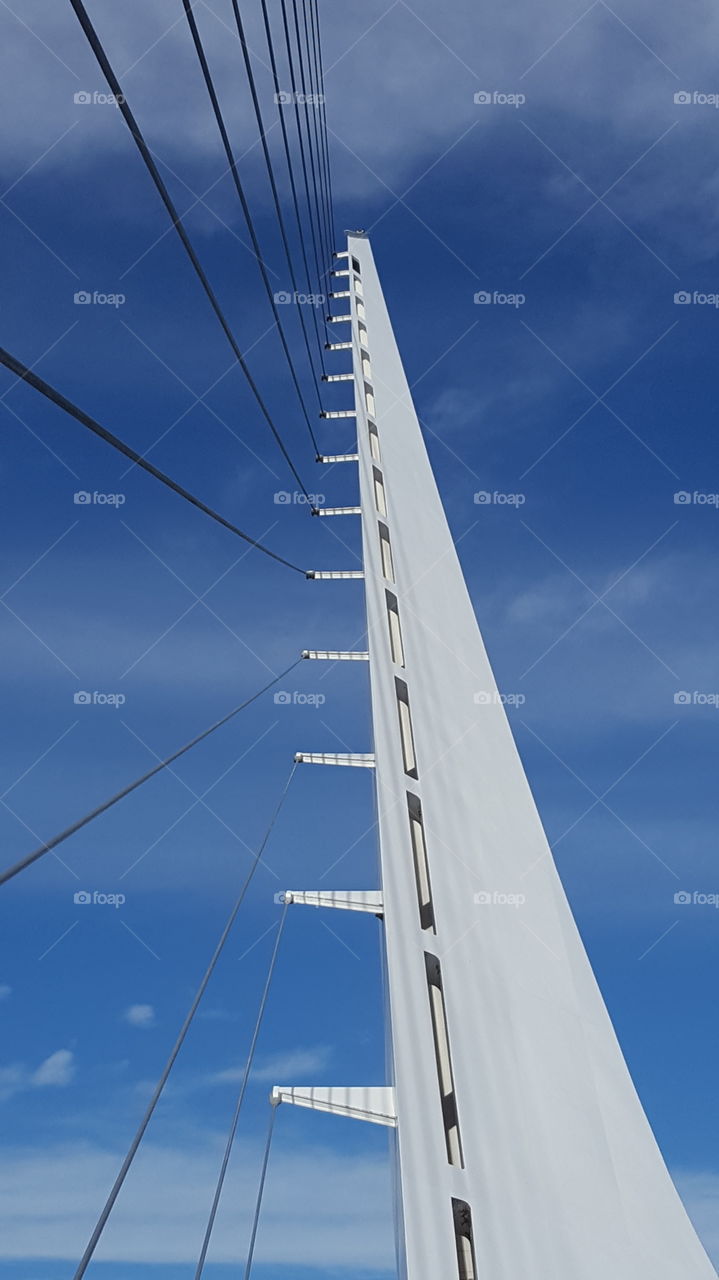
{"points": [[57, 1070], [322, 1209], [140, 1015], [296, 1066]]}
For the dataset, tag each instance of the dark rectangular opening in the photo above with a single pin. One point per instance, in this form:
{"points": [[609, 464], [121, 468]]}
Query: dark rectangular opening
{"points": [[444, 1060], [421, 863], [406, 732], [464, 1238]]}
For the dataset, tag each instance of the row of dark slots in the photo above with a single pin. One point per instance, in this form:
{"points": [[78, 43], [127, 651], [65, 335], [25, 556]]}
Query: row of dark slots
{"points": [[461, 1213]]}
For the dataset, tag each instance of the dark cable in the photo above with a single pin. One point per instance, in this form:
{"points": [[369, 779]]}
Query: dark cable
{"points": [[324, 119], [266, 153], [154, 172], [298, 125], [117, 1186], [240, 1099], [316, 116], [260, 1193], [308, 131], [199, 49], [62, 402], [293, 187], [126, 791]]}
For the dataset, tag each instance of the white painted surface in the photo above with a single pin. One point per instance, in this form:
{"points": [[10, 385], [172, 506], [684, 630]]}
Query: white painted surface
{"points": [[369, 900], [375, 1105], [562, 1173]]}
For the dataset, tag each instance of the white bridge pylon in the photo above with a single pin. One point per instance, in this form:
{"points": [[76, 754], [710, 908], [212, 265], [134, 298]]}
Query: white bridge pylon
{"points": [[521, 1147]]}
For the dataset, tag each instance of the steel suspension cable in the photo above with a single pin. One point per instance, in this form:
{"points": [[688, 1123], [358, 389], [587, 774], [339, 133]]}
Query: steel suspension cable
{"points": [[324, 117], [303, 82], [51, 393], [303, 158], [207, 75], [260, 1193], [240, 1100], [157, 1093], [115, 86], [316, 117], [133, 786], [263, 139], [293, 186]]}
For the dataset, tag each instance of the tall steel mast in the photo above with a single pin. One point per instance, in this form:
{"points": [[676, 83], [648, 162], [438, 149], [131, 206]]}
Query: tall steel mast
{"points": [[522, 1150]]}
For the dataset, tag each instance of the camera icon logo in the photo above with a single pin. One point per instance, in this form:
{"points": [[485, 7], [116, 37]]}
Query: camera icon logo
{"points": [[483, 899], [483, 698], [282, 498], [682, 898], [283, 698], [682, 497], [482, 298], [283, 297], [483, 98], [82, 498], [682, 98], [82, 897], [82, 298], [82, 97], [482, 498], [283, 98], [682, 699], [82, 699], [682, 298]]}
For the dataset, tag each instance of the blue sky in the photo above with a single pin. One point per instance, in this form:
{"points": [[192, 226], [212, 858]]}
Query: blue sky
{"points": [[594, 399]]}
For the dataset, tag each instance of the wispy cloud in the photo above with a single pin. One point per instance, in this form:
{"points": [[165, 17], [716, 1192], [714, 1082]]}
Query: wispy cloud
{"points": [[57, 1071], [140, 1015], [321, 1208], [294, 1066]]}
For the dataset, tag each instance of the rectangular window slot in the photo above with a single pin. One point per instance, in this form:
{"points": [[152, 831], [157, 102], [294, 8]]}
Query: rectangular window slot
{"points": [[379, 493], [421, 864], [358, 286], [444, 1060], [356, 266], [369, 399], [374, 442], [395, 630], [405, 729], [366, 366], [386, 550], [464, 1238], [362, 334], [361, 311]]}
